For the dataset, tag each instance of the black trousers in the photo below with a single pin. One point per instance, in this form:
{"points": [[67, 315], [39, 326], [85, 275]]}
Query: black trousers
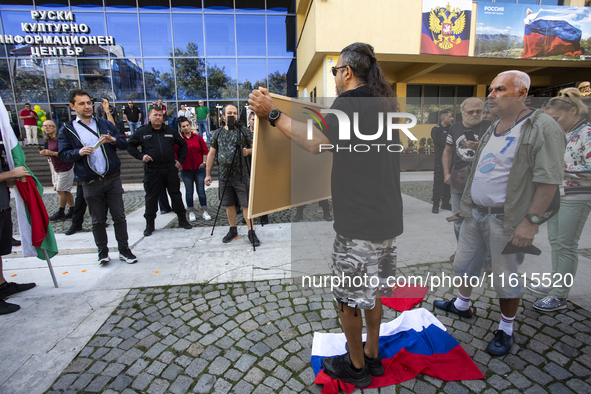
{"points": [[441, 189], [79, 207], [99, 196], [155, 177]]}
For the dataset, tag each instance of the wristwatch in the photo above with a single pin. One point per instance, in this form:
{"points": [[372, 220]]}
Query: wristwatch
{"points": [[534, 218], [273, 116]]}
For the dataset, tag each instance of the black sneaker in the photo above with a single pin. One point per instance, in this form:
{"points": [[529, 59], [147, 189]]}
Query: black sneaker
{"points": [[450, 306], [501, 344], [375, 366], [73, 230], [232, 233], [69, 213], [265, 219], [298, 216], [16, 242], [57, 216], [13, 288], [103, 257], [326, 216], [6, 308], [252, 238], [341, 368], [127, 256]]}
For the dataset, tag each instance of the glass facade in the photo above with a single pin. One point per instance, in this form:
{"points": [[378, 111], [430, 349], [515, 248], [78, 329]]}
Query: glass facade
{"points": [[180, 51]]}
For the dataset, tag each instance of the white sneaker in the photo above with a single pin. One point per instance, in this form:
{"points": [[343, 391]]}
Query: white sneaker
{"points": [[192, 217], [206, 216]]}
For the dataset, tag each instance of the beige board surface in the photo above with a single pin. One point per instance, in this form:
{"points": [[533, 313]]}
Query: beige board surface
{"points": [[283, 174]]}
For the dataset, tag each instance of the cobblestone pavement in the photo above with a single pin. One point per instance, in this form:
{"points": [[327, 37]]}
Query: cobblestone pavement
{"points": [[132, 200], [257, 336]]}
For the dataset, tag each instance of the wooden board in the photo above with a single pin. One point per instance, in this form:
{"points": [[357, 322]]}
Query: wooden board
{"points": [[283, 174]]}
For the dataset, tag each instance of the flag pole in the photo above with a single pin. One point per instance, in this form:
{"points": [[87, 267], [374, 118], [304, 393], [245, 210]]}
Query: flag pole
{"points": [[50, 268]]}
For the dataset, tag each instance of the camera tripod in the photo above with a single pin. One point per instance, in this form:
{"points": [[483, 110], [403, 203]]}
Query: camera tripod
{"points": [[237, 148]]}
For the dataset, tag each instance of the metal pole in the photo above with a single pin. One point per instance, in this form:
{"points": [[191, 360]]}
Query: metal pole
{"points": [[50, 268]]}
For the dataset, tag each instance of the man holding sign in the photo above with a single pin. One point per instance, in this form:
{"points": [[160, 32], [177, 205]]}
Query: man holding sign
{"points": [[91, 144]]}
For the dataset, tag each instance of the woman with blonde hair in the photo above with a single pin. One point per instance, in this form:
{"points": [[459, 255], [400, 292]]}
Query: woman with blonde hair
{"points": [[565, 228]]}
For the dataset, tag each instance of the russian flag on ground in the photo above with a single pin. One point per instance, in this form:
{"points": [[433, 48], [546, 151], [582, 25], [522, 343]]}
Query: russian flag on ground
{"points": [[415, 342], [35, 228]]}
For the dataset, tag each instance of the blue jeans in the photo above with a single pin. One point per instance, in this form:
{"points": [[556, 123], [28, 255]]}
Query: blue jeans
{"points": [[480, 235], [196, 177], [133, 126], [204, 126]]}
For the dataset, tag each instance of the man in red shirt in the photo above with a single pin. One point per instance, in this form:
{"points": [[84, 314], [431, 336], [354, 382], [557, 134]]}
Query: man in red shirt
{"points": [[30, 119]]}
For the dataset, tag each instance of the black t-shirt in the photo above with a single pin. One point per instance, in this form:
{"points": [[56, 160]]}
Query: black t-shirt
{"points": [[439, 136], [365, 185], [457, 139], [133, 113]]}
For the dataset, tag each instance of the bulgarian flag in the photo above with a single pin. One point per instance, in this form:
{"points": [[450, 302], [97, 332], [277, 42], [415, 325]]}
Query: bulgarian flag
{"points": [[35, 229]]}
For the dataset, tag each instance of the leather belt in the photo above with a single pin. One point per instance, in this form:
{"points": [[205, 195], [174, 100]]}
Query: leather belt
{"points": [[488, 210], [102, 178]]}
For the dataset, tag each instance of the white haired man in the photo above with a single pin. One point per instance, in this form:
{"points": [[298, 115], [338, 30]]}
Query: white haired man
{"points": [[518, 167]]}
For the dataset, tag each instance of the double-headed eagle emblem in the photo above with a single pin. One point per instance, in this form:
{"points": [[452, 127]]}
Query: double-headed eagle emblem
{"points": [[444, 29]]}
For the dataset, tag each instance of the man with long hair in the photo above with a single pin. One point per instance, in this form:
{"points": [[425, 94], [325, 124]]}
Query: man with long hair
{"points": [[367, 217]]}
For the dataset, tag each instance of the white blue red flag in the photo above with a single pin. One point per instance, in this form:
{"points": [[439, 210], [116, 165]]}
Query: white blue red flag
{"points": [[415, 342]]}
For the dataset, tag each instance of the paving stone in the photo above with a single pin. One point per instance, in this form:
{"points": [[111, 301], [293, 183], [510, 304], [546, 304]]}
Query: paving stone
{"points": [[113, 370], [281, 373], [97, 384], [498, 382], [254, 376], [557, 372], [518, 380], [195, 349], [156, 368], [197, 366], [121, 383], [295, 364], [536, 375], [559, 388], [260, 349], [64, 382], [82, 381], [210, 353], [137, 367], [219, 366], [222, 386], [243, 387], [245, 362], [158, 386], [205, 384]]}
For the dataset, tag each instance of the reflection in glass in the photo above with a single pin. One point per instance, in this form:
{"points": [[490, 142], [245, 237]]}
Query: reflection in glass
{"points": [[5, 86], [51, 4], [413, 101], [121, 5], [250, 31], [190, 78], [86, 5], [218, 5], [62, 76], [16, 4], [247, 6], [221, 76], [11, 24], [186, 6], [159, 79], [219, 35], [156, 34], [281, 6], [29, 80], [278, 75], [124, 29], [188, 29], [128, 81], [96, 22], [153, 5], [252, 73], [280, 42], [95, 77]]}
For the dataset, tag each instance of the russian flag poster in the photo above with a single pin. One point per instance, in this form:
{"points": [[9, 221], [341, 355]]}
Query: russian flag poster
{"points": [[533, 31], [415, 342]]}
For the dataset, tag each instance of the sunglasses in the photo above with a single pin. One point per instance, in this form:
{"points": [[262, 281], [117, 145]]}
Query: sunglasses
{"points": [[334, 70], [476, 111], [555, 100]]}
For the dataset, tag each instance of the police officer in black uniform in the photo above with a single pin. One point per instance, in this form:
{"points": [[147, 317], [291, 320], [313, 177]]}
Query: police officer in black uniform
{"points": [[160, 167], [441, 190]]}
